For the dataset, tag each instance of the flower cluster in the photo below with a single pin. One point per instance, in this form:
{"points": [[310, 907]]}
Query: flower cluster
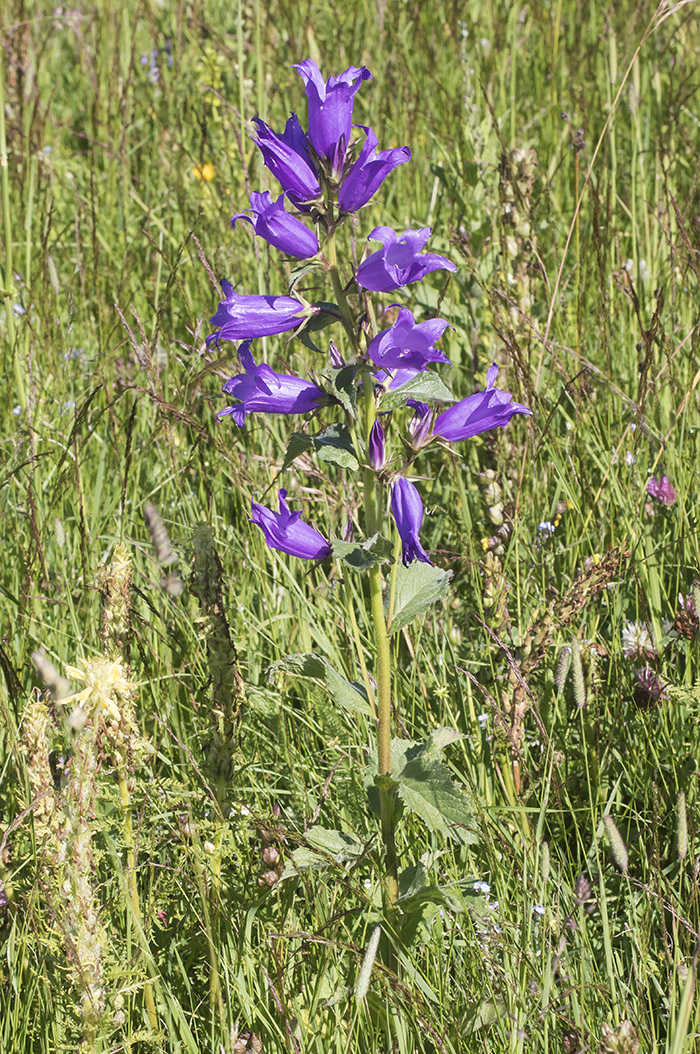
{"points": [[326, 172]]}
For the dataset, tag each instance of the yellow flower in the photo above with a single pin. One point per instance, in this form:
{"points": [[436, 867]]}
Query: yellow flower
{"points": [[105, 682], [595, 559], [204, 172], [485, 543]]}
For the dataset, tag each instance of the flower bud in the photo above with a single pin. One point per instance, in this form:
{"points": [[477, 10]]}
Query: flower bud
{"points": [[376, 453]]}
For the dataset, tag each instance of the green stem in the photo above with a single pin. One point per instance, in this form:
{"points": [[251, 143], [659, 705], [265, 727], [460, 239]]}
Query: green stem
{"points": [[125, 800]]}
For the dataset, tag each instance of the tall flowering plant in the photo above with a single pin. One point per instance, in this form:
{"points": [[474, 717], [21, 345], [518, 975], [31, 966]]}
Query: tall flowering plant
{"points": [[391, 402]]}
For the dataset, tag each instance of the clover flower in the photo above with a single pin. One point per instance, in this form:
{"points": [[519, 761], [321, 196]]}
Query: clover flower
{"points": [[330, 109], [479, 412], [369, 172], [286, 531], [638, 641], [400, 261], [662, 490], [408, 344], [245, 316], [272, 222], [407, 510], [260, 389]]}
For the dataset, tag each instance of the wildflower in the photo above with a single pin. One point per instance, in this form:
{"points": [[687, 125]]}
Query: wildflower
{"points": [[420, 425], [638, 641], [285, 531], [407, 510], [648, 690], [629, 459], [288, 159], [271, 222], [394, 378], [260, 389], [482, 887], [330, 109], [545, 527], [662, 489], [408, 344], [369, 172], [478, 413], [376, 452], [204, 172], [538, 909], [400, 261], [105, 682], [244, 316]]}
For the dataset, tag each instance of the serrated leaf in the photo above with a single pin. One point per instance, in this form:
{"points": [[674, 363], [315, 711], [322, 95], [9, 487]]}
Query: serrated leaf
{"points": [[417, 587], [426, 788], [342, 383], [302, 860], [341, 845], [351, 696], [333, 444], [439, 739], [426, 387], [363, 555]]}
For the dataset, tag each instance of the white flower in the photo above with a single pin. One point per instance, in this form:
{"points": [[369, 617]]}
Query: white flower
{"points": [[638, 641]]}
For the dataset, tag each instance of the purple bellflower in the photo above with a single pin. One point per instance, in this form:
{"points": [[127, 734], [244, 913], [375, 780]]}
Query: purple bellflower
{"points": [[400, 261], [407, 344], [330, 109], [288, 159], [244, 316], [260, 389], [271, 222], [394, 378], [419, 427], [286, 531], [479, 412], [662, 489], [376, 447], [407, 510], [369, 172]]}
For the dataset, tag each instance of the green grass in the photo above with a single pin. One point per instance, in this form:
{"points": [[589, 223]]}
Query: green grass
{"points": [[109, 248]]}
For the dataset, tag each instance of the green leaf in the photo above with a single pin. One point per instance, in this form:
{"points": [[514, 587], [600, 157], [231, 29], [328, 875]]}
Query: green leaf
{"points": [[426, 788], [362, 555], [417, 587], [426, 387], [333, 444], [350, 696], [303, 665], [328, 314], [302, 269], [341, 845], [342, 383]]}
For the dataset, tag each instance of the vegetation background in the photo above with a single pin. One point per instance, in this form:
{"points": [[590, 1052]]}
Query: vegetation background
{"points": [[555, 149]]}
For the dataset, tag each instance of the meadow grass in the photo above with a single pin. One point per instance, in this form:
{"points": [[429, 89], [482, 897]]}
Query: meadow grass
{"points": [[555, 155]]}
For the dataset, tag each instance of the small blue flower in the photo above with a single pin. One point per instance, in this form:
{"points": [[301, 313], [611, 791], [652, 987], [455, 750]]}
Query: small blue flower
{"points": [[369, 172], [400, 261], [330, 109], [271, 222], [407, 510], [260, 389], [285, 531]]}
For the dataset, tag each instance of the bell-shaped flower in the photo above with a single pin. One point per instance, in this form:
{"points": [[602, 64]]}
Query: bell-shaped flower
{"points": [[389, 380], [288, 159], [245, 316], [272, 222], [407, 510], [478, 413], [420, 426], [260, 389], [408, 344], [286, 531], [369, 172], [400, 261], [376, 447], [330, 109]]}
